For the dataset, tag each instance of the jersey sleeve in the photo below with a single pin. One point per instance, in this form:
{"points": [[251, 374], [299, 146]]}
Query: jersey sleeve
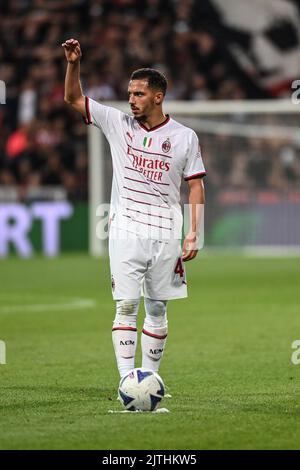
{"points": [[106, 118], [194, 167]]}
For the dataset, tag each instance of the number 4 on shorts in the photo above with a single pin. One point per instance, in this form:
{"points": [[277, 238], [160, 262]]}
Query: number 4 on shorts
{"points": [[179, 269]]}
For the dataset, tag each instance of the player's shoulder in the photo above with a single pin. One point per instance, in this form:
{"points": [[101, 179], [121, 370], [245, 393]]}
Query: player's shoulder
{"points": [[188, 132], [102, 106]]}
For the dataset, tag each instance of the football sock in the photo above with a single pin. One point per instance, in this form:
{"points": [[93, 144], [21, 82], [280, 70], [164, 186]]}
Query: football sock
{"points": [[124, 334], [154, 334]]}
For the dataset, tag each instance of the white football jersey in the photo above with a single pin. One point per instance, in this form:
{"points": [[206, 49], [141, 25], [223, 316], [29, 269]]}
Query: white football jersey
{"points": [[148, 166]]}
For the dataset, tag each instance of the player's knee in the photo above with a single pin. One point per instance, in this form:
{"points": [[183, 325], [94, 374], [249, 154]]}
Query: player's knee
{"points": [[126, 313], [156, 308], [127, 307]]}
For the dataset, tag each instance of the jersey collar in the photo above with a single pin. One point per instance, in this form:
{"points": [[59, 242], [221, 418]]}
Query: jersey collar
{"points": [[155, 127]]}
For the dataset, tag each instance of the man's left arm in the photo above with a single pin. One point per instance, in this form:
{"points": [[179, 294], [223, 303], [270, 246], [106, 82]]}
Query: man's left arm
{"points": [[196, 206]]}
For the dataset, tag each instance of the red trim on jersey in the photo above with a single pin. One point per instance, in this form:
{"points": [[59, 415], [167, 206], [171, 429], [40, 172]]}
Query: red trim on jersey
{"points": [[87, 119], [145, 223], [143, 192], [146, 203], [196, 175], [148, 179], [153, 335], [162, 194], [147, 213], [138, 181], [155, 127], [156, 182], [129, 168], [126, 328]]}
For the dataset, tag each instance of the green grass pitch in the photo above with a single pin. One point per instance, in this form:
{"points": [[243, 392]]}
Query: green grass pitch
{"points": [[227, 362]]}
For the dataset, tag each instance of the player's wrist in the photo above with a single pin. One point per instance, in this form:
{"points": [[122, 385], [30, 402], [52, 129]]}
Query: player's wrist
{"points": [[73, 61], [192, 236]]}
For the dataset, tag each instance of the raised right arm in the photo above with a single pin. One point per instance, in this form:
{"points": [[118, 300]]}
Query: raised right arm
{"points": [[73, 90]]}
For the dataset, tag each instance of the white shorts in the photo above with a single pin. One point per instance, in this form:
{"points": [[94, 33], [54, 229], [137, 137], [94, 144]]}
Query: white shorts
{"points": [[141, 266]]}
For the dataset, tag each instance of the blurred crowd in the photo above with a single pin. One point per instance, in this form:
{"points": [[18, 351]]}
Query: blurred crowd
{"points": [[42, 141], [253, 165]]}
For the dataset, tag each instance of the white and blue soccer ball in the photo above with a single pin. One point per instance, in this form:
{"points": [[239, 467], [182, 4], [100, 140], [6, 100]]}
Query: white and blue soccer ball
{"points": [[141, 390]]}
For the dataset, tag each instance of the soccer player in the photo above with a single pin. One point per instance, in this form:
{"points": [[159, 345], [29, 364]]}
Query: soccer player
{"points": [[151, 152]]}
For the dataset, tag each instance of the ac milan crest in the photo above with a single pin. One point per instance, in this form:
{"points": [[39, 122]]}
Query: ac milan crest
{"points": [[166, 146]]}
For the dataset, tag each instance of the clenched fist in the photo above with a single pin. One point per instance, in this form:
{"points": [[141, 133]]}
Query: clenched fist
{"points": [[72, 50]]}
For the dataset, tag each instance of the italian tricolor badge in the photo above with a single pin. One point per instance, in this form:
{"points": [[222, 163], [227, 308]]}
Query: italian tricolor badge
{"points": [[147, 142]]}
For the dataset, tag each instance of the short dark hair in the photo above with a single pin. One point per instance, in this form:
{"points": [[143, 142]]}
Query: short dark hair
{"points": [[155, 78]]}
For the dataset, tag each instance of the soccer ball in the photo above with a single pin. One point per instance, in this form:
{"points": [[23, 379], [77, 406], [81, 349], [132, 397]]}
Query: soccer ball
{"points": [[141, 390]]}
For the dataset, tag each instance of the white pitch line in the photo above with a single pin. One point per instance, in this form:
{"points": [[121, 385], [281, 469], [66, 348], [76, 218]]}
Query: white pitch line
{"points": [[73, 304]]}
